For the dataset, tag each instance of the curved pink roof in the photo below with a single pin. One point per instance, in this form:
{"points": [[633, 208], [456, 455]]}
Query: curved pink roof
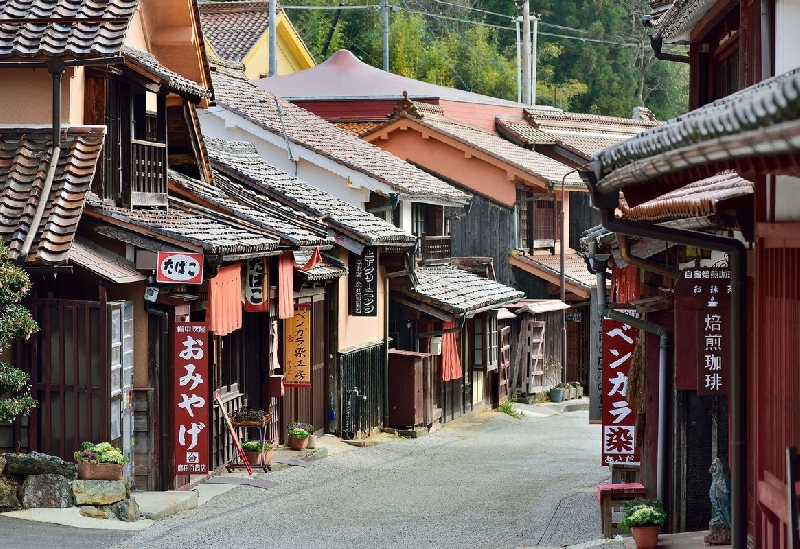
{"points": [[344, 76]]}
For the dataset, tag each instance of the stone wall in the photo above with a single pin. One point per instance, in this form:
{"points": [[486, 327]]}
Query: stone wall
{"points": [[37, 480]]}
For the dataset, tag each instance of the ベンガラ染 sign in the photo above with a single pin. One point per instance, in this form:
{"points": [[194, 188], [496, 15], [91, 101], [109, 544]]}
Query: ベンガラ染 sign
{"points": [[618, 416]]}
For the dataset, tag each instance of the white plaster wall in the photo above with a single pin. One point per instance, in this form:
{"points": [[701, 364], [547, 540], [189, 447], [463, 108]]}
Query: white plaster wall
{"points": [[787, 39], [219, 123]]}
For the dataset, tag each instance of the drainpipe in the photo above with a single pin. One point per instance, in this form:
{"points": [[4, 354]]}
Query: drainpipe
{"points": [[625, 252], [738, 396], [663, 357], [57, 70], [766, 38], [657, 43]]}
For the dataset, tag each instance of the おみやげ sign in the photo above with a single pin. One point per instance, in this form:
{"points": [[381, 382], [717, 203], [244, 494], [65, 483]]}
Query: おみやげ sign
{"points": [[191, 407]]}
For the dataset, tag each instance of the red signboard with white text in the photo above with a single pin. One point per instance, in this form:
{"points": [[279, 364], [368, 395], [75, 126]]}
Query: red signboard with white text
{"points": [[179, 268], [192, 409], [618, 416]]}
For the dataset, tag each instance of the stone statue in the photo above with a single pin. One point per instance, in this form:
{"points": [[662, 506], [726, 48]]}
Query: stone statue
{"points": [[720, 495]]}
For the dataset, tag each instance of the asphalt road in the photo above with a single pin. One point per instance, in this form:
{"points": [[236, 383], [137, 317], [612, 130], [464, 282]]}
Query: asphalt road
{"points": [[489, 481]]}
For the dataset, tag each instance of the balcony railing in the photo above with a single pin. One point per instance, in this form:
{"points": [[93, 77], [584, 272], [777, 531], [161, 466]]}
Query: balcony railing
{"points": [[435, 249], [148, 173]]}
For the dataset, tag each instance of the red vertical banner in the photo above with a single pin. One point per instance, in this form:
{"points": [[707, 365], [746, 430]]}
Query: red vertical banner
{"points": [[255, 285], [297, 347], [618, 416], [192, 409]]}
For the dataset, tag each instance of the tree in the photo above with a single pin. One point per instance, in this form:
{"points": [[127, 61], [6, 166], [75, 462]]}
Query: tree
{"points": [[16, 323]]}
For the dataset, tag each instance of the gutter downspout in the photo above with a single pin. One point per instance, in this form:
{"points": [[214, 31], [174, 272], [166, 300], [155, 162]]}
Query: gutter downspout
{"points": [[767, 18], [625, 252], [738, 395], [663, 347], [657, 43], [57, 70]]}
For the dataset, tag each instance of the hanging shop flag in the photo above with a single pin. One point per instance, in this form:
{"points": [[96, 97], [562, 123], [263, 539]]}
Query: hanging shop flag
{"points": [[297, 347], [179, 268], [618, 416], [706, 293], [364, 283], [255, 285], [192, 410]]}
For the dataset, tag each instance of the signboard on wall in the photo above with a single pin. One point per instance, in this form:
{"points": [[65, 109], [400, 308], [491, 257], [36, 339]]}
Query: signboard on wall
{"points": [[192, 410], [179, 268], [706, 292], [618, 416], [255, 285], [363, 277], [297, 347]]}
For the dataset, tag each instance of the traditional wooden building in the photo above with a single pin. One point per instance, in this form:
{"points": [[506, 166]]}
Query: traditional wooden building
{"points": [[744, 76]]}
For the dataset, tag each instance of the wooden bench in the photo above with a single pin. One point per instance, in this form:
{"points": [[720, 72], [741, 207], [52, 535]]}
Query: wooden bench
{"points": [[611, 497]]}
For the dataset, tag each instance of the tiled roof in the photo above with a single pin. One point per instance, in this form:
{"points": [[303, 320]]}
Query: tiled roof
{"points": [[538, 165], [458, 291], [327, 269], [50, 39], [581, 134], [24, 160], [359, 128], [674, 20], [212, 232], [235, 93], [575, 271], [739, 132], [241, 160], [233, 28], [698, 199], [290, 224], [173, 81], [103, 263]]}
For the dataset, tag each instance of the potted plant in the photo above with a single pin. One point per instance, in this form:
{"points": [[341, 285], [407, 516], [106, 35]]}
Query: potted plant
{"points": [[298, 434], [257, 452], [99, 461], [578, 389], [643, 518], [557, 393]]}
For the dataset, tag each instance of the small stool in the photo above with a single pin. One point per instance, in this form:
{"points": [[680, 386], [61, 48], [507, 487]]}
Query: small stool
{"points": [[611, 497]]}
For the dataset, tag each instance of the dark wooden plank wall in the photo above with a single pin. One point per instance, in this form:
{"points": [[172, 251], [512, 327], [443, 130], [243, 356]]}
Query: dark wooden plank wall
{"points": [[487, 231], [582, 216]]}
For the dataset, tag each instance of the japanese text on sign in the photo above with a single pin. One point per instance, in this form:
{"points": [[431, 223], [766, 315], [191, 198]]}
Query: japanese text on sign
{"points": [[618, 416], [297, 347], [707, 292], [191, 402], [364, 283], [255, 285], [180, 268]]}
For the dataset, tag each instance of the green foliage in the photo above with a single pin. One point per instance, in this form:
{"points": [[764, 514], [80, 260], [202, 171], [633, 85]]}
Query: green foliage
{"points": [[508, 408], [102, 452], [16, 322], [643, 512], [299, 429], [609, 76], [255, 446]]}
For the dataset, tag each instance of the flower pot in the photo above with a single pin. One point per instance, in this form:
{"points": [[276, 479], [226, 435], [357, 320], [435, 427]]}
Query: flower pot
{"points": [[297, 443], [646, 537], [98, 471], [266, 457], [253, 458], [570, 393], [556, 394], [580, 391], [312, 441]]}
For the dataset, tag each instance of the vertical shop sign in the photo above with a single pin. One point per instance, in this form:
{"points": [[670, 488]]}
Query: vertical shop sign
{"points": [[191, 403], [297, 347], [255, 285], [618, 416], [706, 292], [364, 283]]}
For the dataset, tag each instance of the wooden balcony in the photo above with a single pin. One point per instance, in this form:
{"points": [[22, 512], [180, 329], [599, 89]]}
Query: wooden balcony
{"points": [[435, 249], [148, 173]]}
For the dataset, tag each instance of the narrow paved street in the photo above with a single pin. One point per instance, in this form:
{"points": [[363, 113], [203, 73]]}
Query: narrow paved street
{"points": [[484, 482]]}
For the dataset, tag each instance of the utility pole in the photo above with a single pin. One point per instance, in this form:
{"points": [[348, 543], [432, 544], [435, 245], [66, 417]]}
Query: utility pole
{"points": [[526, 52], [385, 17], [519, 60], [273, 40], [534, 60]]}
